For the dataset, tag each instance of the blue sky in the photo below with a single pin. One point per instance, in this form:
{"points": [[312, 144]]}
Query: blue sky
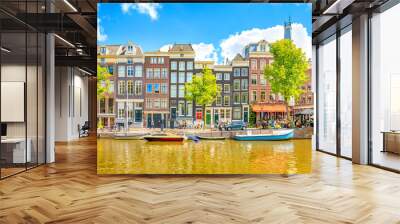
{"points": [[218, 30]]}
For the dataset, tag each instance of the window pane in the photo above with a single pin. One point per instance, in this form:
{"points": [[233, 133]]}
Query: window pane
{"points": [[346, 93], [327, 96]]}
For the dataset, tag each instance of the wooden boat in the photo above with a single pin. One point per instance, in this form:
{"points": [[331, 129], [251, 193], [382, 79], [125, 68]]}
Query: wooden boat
{"points": [[129, 136], [164, 138], [278, 136], [211, 137]]}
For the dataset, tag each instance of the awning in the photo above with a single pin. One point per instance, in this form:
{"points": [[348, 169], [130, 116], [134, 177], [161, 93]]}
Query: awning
{"points": [[305, 111], [271, 108]]}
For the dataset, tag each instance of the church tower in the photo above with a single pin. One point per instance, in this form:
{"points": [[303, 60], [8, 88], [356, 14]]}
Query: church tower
{"points": [[288, 29]]}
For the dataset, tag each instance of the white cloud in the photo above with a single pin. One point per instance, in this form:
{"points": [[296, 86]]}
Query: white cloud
{"points": [[205, 52], [235, 43], [149, 9], [101, 36]]}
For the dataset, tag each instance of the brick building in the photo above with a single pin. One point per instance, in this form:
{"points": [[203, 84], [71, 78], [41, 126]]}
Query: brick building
{"points": [[156, 83]]}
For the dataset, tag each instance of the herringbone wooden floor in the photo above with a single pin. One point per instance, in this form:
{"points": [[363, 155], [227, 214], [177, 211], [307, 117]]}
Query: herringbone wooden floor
{"points": [[69, 191]]}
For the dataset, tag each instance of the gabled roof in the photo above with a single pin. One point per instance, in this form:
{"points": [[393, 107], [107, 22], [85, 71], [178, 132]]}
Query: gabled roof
{"points": [[238, 57], [181, 47]]}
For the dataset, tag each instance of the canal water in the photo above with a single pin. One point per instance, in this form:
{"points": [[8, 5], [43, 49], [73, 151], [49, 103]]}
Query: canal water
{"points": [[203, 157]]}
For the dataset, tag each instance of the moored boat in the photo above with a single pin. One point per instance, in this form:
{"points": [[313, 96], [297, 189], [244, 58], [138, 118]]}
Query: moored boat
{"points": [[211, 137], [164, 138], [277, 136], [129, 136]]}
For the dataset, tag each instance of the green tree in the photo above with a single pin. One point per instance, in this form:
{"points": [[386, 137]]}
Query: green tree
{"points": [[103, 81], [203, 89], [287, 73], [252, 118]]}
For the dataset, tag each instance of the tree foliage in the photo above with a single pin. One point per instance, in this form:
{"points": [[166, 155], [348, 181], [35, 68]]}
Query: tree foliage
{"points": [[103, 81], [287, 73], [203, 88]]}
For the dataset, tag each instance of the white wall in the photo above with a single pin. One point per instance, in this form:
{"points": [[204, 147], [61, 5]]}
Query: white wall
{"points": [[71, 102]]}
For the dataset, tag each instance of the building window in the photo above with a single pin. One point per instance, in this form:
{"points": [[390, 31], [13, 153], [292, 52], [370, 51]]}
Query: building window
{"points": [[236, 98], [181, 77], [227, 76], [263, 81], [181, 66], [228, 114], [227, 100], [173, 65], [111, 69], [130, 48], [254, 79], [121, 110], [149, 103], [102, 105], [149, 88], [163, 103], [164, 73], [181, 108], [163, 88], [262, 96], [236, 72], [237, 113], [219, 76], [245, 98], [153, 60], [253, 64], [218, 100], [156, 103], [138, 71], [130, 61], [245, 84], [138, 87], [111, 87], [129, 69], [189, 108], [149, 73], [254, 96], [156, 88], [110, 105], [103, 50], [181, 92], [189, 65], [245, 72], [263, 62], [157, 73], [130, 87], [227, 88], [189, 76], [121, 71], [161, 60], [121, 87], [173, 90], [219, 88], [173, 77], [236, 85], [130, 110]]}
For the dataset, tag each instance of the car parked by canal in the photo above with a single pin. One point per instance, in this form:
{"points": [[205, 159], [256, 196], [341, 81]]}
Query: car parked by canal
{"points": [[236, 125]]}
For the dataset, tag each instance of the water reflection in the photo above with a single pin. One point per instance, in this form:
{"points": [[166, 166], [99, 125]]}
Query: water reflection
{"points": [[204, 157]]}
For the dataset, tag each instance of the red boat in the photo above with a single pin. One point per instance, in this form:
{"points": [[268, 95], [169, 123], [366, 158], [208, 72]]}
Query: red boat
{"points": [[164, 138]]}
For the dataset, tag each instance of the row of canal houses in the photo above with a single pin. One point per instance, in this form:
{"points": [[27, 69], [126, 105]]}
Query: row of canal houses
{"points": [[148, 88]]}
